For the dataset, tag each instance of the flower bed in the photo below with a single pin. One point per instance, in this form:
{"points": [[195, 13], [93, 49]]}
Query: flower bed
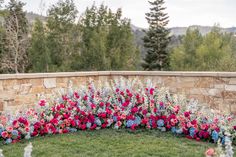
{"points": [[119, 104]]}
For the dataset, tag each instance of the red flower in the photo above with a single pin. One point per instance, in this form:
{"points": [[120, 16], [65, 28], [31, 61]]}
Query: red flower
{"points": [[151, 91], [101, 104], [134, 110], [144, 112], [235, 127], [42, 103], [187, 114], [144, 121]]}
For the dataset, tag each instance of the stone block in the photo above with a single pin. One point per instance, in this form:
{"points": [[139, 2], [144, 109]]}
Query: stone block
{"points": [[8, 84], [228, 94], [232, 81], [1, 86], [61, 80], [37, 90], [215, 92], [225, 107], [205, 82], [1, 106], [198, 91], [25, 89], [36, 82], [219, 86], [230, 88], [49, 82]]}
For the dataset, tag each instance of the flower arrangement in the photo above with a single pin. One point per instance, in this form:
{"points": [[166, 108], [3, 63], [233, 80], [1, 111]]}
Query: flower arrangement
{"points": [[118, 104]]}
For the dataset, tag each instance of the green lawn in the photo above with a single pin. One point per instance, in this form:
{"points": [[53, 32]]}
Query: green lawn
{"points": [[108, 143]]}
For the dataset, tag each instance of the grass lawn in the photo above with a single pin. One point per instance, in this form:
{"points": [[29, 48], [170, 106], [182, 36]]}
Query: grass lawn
{"points": [[108, 143]]}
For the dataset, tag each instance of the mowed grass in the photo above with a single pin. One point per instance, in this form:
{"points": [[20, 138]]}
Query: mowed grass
{"points": [[109, 143]]}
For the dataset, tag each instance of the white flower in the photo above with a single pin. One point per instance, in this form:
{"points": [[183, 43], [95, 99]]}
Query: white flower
{"points": [[28, 150], [1, 155]]}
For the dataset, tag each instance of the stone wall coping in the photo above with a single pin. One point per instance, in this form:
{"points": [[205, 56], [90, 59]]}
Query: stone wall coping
{"points": [[117, 73]]}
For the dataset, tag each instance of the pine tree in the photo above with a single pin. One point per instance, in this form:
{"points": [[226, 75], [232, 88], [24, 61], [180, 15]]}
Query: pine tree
{"points": [[38, 52], [157, 37]]}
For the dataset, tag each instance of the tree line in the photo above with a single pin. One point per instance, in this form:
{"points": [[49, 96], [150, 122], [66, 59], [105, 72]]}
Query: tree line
{"points": [[100, 39]]}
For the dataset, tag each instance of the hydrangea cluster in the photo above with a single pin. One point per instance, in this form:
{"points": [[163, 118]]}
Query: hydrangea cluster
{"points": [[118, 104]]}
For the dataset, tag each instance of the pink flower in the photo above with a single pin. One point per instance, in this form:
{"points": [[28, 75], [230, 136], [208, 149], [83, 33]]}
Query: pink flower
{"points": [[4, 134], [176, 108], [204, 127], [210, 152], [9, 128]]}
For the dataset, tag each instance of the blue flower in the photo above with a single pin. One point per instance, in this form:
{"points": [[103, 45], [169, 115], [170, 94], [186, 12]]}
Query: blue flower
{"points": [[1, 130], [192, 132], [227, 139], [115, 118], [223, 140], [173, 130], [88, 125], [72, 129], [160, 123], [98, 122], [129, 123], [14, 133], [215, 136], [137, 120], [179, 131], [8, 141], [150, 122]]}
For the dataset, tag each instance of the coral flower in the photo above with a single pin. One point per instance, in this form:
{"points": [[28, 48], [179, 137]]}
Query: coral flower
{"points": [[210, 152]]}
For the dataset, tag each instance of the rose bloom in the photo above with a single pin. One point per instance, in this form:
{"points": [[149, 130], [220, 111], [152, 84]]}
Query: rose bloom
{"points": [[119, 123], [9, 129], [210, 152], [4, 134], [42, 102], [151, 105], [123, 116]]}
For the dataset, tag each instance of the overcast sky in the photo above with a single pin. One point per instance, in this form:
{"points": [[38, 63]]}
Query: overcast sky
{"points": [[181, 12]]}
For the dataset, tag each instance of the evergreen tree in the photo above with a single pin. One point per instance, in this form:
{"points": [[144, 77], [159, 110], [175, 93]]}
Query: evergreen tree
{"points": [[107, 41], [63, 38], [157, 37], [38, 52]]}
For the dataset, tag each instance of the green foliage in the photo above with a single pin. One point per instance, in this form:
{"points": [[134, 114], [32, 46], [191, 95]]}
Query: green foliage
{"points": [[157, 38], [101, 40], [107, 41], [38, 52], [213, 52], [62, 36]]}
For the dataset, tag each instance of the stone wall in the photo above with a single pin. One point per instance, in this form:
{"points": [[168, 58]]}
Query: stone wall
{"points": [[213, 88]]}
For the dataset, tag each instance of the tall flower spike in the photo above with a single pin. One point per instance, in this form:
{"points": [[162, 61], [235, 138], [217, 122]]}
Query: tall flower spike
{"points": [[1, 155], [228, 147], [28, 150]]}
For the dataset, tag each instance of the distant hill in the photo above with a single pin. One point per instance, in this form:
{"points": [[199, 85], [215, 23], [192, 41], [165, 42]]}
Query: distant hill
{"points": [[177, 32], [32, 16], [203, 29], [174, 30]]}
